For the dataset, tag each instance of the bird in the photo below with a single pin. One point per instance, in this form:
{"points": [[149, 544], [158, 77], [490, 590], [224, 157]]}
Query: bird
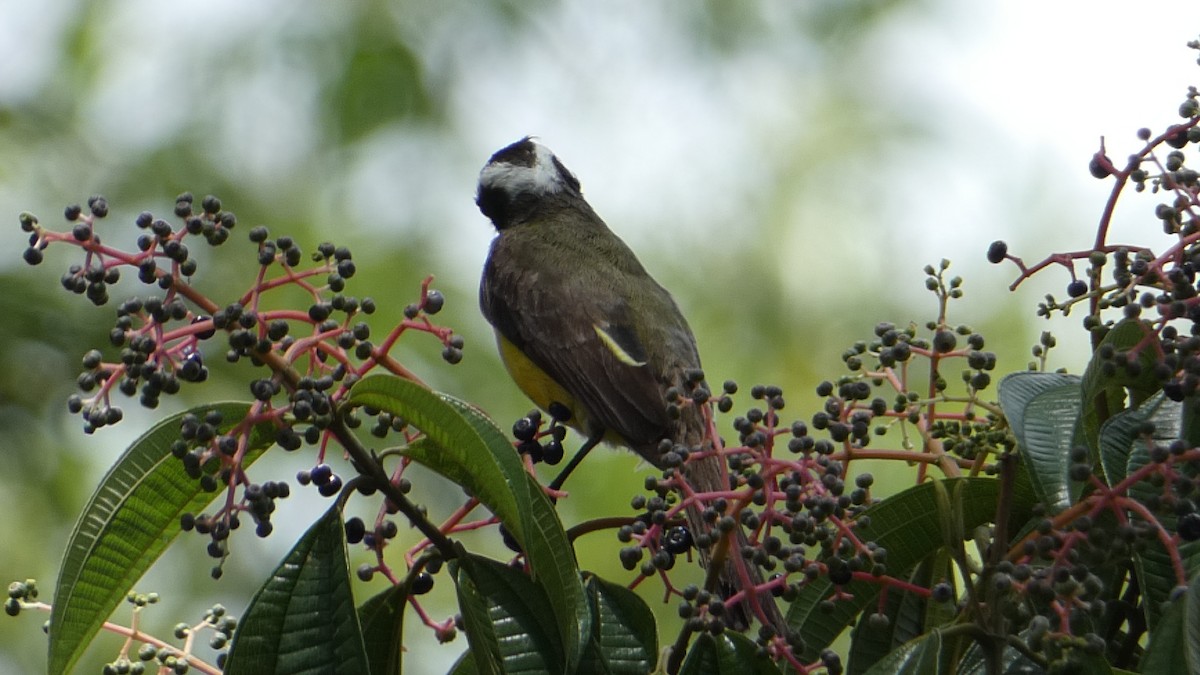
{"points": [[591, 338]]}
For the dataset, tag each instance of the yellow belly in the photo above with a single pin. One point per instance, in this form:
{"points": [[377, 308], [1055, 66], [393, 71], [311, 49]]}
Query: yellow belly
{"points": [[537, 385]]}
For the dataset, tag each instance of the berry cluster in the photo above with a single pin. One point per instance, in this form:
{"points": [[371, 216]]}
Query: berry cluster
{"points": [[213, 458], [153, 655], [163, 658], [542, 445], [1060, 583], [20, 593], [795, 510], [163, 335], [792, 492], [144, 327]]}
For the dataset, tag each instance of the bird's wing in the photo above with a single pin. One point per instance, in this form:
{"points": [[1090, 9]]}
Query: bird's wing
{"points": [[584, 336]]}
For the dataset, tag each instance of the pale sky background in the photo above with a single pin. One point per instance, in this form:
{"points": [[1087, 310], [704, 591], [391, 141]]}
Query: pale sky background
{"points": [[981, 116]]}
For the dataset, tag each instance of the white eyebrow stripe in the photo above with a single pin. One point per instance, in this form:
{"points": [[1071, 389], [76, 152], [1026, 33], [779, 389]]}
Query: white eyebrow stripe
{"points": [[542, 178]]}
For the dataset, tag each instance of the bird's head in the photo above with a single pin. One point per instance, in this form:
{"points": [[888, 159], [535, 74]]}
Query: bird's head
{"points": [[517, 178]]}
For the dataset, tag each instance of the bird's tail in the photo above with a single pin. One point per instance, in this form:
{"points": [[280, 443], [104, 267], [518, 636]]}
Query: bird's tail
{"points": [[705, 472]]}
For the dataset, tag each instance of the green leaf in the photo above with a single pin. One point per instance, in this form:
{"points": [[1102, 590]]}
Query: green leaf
{"points": [[729, 653], [1152, 562], [469, 451], [509, 622], [465, 665], [1012, 662], [1170, 638], [1043, 411], [463, 445], [126, 525], [505, 622], [1087, 662], [1051, 421], [908, 616], [1189, 431], [382, 621], [484, 645], [1104, 392], [937, 567], [303, 619], [624, 633], [1016, 390], [1121, 434], [1124, 450], [907, 525], [918, 657], [948, 522], [1156, 575], [1117, 436]]}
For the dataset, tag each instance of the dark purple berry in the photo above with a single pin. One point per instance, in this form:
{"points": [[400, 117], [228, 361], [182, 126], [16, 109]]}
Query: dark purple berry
{"points": [[421, 584], [997, 252], [1189, 527], [552, 452], [677, 540], [1098, 167], [434, 301]]}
